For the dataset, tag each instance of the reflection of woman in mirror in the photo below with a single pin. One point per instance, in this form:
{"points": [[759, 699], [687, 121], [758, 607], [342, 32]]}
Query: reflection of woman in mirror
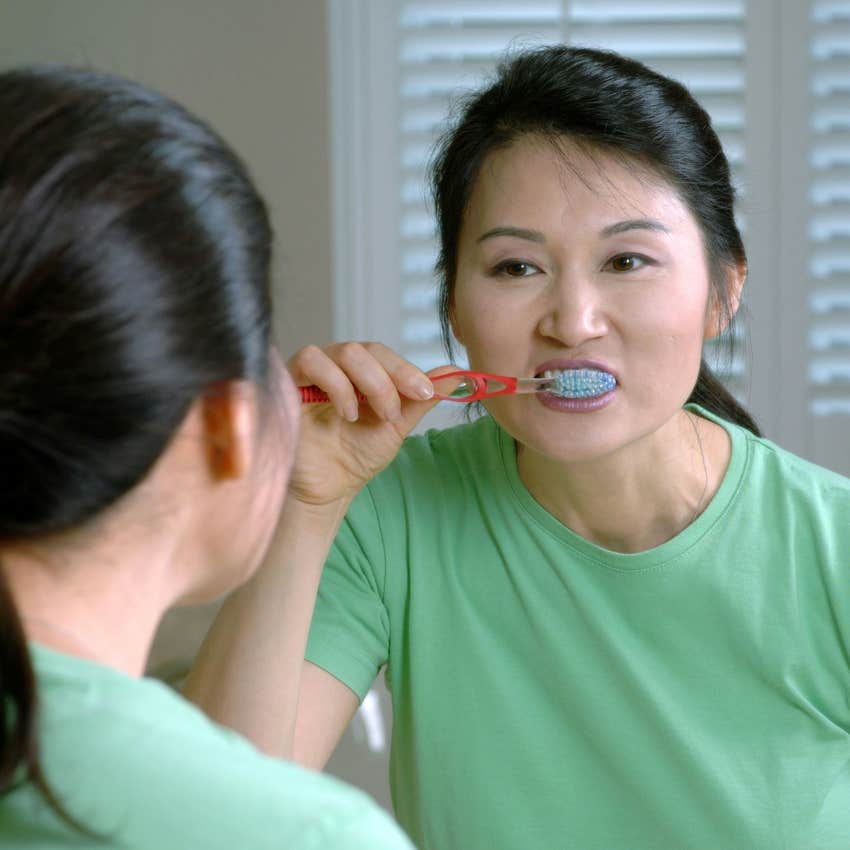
{"points": [[616, 621]]}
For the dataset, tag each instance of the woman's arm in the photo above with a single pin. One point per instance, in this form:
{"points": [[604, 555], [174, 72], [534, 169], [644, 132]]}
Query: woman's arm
{"points": [[251, 674], [251, 664]]}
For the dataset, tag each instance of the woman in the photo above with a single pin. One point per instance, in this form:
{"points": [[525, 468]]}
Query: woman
{"points": [[613, 623], [146, 433]]}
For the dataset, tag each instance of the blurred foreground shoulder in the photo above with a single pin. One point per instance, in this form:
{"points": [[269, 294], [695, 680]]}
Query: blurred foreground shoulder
{"points": [[168, 777]]}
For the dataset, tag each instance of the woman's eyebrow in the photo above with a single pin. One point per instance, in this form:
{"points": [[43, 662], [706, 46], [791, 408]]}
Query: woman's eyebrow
{"points": [[520, 232], [633, 224], [610, 230]]}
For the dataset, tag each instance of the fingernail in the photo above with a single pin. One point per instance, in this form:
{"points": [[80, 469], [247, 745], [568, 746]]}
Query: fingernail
{"points": [[352, 411], [424, 391], [394, 413]]}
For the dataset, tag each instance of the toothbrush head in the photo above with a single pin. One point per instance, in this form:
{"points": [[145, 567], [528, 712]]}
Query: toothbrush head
{"points": [[582, 383]]}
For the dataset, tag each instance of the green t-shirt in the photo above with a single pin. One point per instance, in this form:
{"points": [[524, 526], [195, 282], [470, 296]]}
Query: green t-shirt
{"points": [[133, 761], [549, 693]]}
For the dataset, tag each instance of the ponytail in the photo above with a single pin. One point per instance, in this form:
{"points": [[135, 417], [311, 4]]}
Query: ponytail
{"points": [[714, 397], [20, 760], [18, 734]]}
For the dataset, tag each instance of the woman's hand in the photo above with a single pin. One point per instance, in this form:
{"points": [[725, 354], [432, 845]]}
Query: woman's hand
{"points": [[344, 443]]}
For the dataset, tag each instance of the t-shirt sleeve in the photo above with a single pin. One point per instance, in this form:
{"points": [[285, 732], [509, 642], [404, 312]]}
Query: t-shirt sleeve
{"points": [[349, 635]]}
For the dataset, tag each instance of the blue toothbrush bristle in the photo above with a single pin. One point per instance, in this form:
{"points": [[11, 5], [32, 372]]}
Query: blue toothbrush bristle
{"points": [[583, 383]]}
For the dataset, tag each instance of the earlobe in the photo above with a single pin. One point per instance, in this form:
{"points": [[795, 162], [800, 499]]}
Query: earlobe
{"points": [[226, 417], [718, 315]]}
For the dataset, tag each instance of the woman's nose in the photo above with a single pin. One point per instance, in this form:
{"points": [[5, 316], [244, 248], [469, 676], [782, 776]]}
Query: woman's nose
{"points": [[573, 313]]}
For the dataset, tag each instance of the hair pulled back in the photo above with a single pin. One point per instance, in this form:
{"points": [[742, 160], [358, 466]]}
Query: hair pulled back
{"points": [[134, 275], [615, 105]]}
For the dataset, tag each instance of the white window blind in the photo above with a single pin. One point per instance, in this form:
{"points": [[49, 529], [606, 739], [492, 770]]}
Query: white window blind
{"points": [[829, 198], [773, 74]]}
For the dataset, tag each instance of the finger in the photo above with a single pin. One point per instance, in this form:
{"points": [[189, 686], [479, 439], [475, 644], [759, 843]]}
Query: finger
{"points": [[443, 370], [369, 375], [413, 411], [313, 366], [409, 380]]}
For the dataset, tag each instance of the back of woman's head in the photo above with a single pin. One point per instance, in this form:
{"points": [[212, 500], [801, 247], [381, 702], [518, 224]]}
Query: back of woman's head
{"points": [[134, 274], [134, 257], [606, 103]]}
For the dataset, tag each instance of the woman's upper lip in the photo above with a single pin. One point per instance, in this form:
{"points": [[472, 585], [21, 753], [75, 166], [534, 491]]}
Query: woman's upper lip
{"points": [[575, 363]]}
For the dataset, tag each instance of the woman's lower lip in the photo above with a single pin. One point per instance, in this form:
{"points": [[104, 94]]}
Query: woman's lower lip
{"points": [[576, 405]]}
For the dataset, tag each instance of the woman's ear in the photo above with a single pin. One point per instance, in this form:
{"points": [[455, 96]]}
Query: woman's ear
{"points": [[718, 315], [228, 411]]}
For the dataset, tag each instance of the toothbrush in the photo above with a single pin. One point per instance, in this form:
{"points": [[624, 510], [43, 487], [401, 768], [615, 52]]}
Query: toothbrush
{"points": [[467, 385]]}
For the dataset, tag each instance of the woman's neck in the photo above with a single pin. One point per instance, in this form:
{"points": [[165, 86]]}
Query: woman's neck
{"points": [[91, 601], [637, 498]]}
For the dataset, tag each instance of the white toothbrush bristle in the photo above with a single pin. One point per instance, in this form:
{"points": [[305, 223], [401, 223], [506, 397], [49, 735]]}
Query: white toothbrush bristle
{"points": [[580, 383]]}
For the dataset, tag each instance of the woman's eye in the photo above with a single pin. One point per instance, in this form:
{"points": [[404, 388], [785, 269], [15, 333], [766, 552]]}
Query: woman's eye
{"points": [[516, 268], [627, 262]]}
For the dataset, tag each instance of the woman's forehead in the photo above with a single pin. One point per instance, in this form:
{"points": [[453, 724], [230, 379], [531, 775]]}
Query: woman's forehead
{"points": [[540, 178]]}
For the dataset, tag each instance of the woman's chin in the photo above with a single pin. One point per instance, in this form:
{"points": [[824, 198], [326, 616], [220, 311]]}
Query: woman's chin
{"points": [[572, 437]]}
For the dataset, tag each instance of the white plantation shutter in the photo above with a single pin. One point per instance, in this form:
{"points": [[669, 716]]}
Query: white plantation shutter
{"points": [[829, 199], [773, 74]]}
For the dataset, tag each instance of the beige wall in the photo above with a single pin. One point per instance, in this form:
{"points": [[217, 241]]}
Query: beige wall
{"points": [[257, 71]]}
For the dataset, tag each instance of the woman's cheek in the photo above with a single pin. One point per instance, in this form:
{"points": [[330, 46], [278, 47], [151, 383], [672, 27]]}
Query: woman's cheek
{"points": [[479, 322]]}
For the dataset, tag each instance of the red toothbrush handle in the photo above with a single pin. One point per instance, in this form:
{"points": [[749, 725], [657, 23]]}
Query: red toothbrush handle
{"points": [[314, 394], [484, 385]]}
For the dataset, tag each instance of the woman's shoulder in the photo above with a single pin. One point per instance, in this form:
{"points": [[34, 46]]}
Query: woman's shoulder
{"points": [[133, 756], [459, 446], [769, 465], [795, 496], [776, 465], [440, 465]]}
